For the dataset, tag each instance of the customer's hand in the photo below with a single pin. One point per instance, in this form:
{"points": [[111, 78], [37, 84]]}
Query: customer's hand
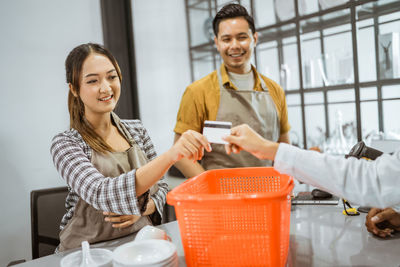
{"points": [[120, 221], [382, 222], [190, 145], [244, 138]]}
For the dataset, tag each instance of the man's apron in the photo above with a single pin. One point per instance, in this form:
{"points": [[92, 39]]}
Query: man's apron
{"points": [[255, 108], [87, 223]]}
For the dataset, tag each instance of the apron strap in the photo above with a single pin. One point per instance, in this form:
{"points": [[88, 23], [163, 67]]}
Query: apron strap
{"points": [[219, 78], [263, 85], [121, 127]]}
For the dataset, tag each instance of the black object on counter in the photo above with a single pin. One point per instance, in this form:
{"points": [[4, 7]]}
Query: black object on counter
{"points": [[320, 194], [360, 150]]}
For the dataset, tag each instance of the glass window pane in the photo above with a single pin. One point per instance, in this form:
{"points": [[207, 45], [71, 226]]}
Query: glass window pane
{"points": [[268, 61], [315, 125], [341, 95], [310, 53], [366, 50], [221, 3], [293, 99], [264, 13], [392, 91], [388, 17], [345, 28], [308, 6], [284, 9], [203, 64], [314, 98], [290, 67], [348, 111], [338, 56], [391, 111], [369, 118], [200, 21], [246, 4], [329, 3], [296, 123], [369, 93]]}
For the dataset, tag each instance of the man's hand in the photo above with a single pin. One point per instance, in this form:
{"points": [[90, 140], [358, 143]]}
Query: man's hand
{"points": [[382, 222], [120, 221]]}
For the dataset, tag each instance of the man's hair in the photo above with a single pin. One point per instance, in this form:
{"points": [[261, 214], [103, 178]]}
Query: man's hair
{"points": [[232, 11]]}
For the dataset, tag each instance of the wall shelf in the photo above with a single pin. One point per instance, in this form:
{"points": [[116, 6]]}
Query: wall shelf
{"points": [[332, 54]]}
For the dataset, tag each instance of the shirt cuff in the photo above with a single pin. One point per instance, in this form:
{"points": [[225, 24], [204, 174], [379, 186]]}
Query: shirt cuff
{"points": [[182, 127], [285, 158], [396, 208]]}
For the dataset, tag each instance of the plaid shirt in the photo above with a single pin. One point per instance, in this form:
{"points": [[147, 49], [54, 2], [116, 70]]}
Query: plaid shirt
{"points": [[72, 158]]}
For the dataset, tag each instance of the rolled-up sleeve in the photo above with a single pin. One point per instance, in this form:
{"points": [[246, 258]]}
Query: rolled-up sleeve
{"points": [[191, 113]]}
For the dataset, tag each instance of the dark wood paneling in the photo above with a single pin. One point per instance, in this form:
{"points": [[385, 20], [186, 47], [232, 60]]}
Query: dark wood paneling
{"points": [[118, 38]]}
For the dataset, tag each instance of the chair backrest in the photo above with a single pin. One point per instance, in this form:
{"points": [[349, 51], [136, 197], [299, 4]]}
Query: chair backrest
{"points": [[47, 209]]}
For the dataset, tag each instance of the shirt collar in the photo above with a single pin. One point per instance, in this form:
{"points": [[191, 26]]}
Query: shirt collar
{"points": [[228, 84]]}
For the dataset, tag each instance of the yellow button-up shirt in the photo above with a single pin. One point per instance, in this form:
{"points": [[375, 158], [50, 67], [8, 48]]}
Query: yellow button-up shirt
{"points": [[200, 101]]}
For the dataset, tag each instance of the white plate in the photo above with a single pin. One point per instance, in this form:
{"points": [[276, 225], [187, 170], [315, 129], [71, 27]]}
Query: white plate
{"points": [[144, 252]]}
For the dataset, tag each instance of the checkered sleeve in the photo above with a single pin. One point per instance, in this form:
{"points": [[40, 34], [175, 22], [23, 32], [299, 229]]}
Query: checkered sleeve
{"points": [[116, 195], [147, 146]]}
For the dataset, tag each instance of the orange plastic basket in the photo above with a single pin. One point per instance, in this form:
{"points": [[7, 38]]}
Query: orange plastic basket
{"points": [[234, 217]]}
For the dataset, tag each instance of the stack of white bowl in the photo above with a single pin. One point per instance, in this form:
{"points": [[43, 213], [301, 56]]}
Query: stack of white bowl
{"points": [[143, 253]]}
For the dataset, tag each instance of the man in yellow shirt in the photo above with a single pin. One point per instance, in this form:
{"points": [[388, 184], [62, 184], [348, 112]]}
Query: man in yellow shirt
{"points": [[235, 92]]}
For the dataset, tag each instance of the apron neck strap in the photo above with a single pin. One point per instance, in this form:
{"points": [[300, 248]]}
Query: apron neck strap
{"points": [[263, 85], [121, 127], [219, 78]]}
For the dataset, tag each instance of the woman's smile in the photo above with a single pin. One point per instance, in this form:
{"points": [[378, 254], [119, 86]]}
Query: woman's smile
{"points": [[106, 99]]}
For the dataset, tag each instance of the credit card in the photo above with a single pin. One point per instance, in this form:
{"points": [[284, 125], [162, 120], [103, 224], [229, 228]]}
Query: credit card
{"points": [[215, 130]]}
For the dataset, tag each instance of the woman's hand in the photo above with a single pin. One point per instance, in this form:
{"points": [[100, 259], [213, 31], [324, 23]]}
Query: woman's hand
{"points": [[120, 221], [150, 208], [190, 145], [382, 222], [244, 138]]}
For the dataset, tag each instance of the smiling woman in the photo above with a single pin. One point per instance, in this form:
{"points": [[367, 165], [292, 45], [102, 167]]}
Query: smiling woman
{"points": [[114, 176]]}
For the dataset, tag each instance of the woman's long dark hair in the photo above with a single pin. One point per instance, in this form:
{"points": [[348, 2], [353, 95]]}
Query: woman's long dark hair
{"points": [[76, 108]]}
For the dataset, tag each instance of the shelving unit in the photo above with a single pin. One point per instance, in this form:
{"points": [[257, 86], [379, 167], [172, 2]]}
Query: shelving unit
{"points": [[325, 59]]}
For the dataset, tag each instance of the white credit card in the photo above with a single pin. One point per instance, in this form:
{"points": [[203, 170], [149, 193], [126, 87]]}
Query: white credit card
{"points": [[215, 130]]}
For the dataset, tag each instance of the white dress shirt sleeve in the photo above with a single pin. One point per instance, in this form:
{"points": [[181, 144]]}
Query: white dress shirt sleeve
{"points": [[369, 183]]}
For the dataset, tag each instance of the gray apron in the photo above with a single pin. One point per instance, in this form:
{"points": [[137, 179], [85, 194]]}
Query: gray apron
{"points": [[257, 109], [87, 223]]}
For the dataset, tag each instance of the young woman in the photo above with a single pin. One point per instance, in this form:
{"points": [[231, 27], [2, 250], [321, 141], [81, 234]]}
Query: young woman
{"points": [[114, 177]]}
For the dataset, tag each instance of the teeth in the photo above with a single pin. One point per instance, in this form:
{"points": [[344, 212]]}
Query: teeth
{"points": [[106, 98], [236, 55]]}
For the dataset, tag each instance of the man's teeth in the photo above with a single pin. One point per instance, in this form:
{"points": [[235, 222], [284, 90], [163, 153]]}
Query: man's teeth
{"points": [[106, 98], [236, 55]]}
